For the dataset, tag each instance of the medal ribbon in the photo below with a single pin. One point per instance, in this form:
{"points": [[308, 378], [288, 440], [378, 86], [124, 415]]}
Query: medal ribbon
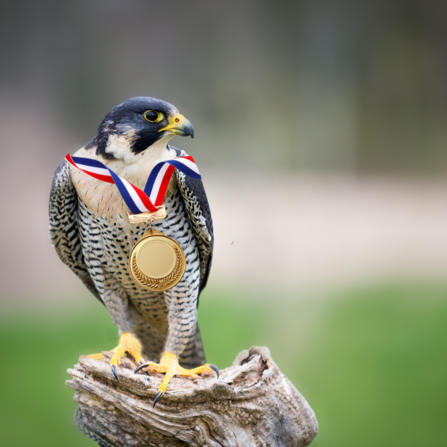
{"points": [[157, 184]]}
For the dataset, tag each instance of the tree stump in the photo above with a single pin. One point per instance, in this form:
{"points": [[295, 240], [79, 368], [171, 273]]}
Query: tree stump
{"points": [[251, 404]]}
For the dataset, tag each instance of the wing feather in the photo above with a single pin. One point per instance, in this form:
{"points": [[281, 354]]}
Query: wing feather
{"points": [[64, 229], [199, 214]]}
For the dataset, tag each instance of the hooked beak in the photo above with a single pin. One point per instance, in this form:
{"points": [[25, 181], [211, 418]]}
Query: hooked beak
{"points": [[179, 125]]}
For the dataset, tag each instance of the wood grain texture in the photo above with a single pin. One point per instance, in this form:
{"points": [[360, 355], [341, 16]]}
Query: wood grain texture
{"points": [[252, 404]]}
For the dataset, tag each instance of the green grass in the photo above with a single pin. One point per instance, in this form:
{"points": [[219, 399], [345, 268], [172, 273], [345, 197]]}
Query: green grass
{"points": [[372, 363]]}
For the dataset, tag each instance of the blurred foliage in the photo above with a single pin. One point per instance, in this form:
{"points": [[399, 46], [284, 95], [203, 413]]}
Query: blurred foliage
{"points": [[371, 362]]}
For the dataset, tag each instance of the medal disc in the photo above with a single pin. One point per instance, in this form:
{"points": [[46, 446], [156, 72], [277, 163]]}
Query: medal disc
{"points": [[157, 262]]}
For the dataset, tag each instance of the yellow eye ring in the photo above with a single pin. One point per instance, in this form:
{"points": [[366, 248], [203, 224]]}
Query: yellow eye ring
{"points": [[153, 116]]}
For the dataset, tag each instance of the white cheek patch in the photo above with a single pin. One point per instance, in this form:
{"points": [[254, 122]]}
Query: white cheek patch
{"points": [[120, 147]]}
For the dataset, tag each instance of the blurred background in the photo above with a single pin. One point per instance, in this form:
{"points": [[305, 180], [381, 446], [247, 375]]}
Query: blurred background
{"points": [[321, 135]]}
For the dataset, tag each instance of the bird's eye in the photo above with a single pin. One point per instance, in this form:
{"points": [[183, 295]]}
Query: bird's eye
{"points": [[153, 116]]}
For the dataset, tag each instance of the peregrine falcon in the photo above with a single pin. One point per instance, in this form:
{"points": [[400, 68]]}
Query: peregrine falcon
{"points": [[90, 230]]}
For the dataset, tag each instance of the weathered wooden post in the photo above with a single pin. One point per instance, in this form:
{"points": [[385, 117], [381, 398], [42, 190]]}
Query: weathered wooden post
{"points": [[251, 404]]}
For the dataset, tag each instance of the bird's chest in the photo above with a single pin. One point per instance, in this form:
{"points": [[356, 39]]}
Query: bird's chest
{"points": [[115, 236], [108, 240]]}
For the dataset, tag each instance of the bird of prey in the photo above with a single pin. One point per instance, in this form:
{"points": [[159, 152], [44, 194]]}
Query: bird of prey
{"points": [[90, 230]]}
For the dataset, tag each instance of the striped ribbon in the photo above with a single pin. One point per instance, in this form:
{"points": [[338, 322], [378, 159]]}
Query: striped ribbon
{"points": [[157, 184]]}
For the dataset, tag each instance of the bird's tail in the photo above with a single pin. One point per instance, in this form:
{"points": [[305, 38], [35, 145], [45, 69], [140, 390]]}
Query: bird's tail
{"points": [[193, 355]]}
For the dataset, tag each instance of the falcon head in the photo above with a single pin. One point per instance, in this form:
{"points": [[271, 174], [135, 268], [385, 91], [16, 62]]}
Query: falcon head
{"points": [[138, 124]]}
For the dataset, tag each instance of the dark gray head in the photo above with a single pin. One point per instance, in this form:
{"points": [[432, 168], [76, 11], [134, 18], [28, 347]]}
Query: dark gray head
{"points": [[138, 123]]}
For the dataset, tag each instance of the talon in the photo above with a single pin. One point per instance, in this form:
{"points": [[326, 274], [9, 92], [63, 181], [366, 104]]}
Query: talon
{"points": [[159, 394], [115, 373], [142, 365], [215, 369]]}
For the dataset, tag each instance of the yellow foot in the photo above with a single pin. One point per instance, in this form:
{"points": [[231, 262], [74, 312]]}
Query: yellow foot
{"points": [[96, 356], [170, 367], [128, 343]]}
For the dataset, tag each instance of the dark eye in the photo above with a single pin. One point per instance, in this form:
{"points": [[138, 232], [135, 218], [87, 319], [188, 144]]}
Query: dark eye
{"points": [[153, 116]]}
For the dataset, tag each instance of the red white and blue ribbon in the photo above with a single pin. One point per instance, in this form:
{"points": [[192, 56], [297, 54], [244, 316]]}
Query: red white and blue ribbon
{"points": [[157, 184]]}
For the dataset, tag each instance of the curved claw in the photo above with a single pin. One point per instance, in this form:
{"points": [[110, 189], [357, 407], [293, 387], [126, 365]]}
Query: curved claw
{"points": [[215, 369], [115, 373], [159, 394], [141, 366]]}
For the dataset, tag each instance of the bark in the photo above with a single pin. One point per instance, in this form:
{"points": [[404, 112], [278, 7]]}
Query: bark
{"points": [[252, 404]]}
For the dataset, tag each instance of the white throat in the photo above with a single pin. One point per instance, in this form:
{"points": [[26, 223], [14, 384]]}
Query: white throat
{"points": [[136, 167], [120, 148]]}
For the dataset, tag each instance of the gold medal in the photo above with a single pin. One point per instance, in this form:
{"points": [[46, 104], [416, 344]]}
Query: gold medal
{"points": [[157, 262]]}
